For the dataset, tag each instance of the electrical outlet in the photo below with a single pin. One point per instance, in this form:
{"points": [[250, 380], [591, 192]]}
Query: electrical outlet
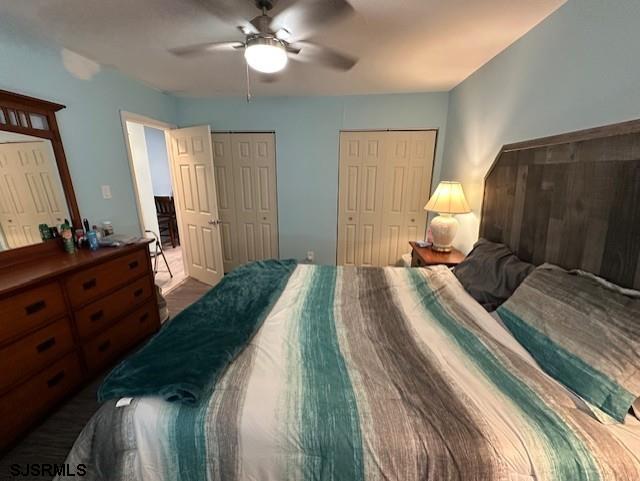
{"points": [[106, 191], [310, 256]]}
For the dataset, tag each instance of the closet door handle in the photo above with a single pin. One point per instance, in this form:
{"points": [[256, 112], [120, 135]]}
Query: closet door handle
{"points": [[35, 307], [350, 218]]}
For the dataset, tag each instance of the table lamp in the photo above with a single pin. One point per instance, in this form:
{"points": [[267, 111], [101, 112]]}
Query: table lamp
{"points": [[448, 199]]}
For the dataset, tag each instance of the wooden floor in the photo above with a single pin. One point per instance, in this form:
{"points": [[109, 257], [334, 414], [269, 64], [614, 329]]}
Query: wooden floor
{"points": [[173, 256], [51, 441]]}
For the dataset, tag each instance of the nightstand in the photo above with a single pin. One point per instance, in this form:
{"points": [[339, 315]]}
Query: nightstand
{"points": [[425, 256]]}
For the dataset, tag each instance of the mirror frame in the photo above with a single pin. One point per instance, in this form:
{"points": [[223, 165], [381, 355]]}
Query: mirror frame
{"points": [[21, 106]]}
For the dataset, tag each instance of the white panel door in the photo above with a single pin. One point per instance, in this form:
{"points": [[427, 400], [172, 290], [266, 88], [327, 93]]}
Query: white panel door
{"points": [[223, 162], [361, 184], [30, 192], [197, 203], [384, 182], [254, 181]]}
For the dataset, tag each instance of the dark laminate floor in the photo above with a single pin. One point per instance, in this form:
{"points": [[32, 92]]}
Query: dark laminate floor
{"points": [[51, 441]]}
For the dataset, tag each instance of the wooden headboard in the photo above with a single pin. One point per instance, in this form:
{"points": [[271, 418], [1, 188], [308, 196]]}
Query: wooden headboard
{"points": [[572, 200]]}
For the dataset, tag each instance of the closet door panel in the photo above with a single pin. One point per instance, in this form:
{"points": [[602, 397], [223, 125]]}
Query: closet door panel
{"points": [[349, 198], [254, 181], [419, 185], [223, 163], [371, 197], [244, 179], [265, 194], [397, 163]]}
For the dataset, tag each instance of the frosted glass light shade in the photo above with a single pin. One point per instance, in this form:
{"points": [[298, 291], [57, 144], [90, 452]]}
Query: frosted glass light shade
{"points": [[448, 199], [266, 55]]}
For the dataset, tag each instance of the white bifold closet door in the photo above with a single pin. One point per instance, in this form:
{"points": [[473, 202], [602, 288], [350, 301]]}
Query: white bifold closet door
{"points": [[384, 183], [245, 166], [30, 192]]}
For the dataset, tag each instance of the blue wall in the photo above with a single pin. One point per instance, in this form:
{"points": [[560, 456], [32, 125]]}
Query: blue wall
{"points": [[579, 68], [90, 125], [158, 161], [307, 135]]}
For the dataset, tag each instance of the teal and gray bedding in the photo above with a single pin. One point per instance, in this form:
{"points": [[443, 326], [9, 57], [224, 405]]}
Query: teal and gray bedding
{"points": [[582, 332], [190, 353], [367, 374]]}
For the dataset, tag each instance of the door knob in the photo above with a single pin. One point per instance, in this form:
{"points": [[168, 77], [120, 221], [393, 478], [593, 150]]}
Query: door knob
{"points": [[215, 221]]}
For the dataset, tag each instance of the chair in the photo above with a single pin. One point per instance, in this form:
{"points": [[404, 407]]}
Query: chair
{"points": [[167, 221]]}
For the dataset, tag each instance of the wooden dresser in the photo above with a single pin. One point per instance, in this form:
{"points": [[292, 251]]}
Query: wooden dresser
{"points": [[65, 318]]}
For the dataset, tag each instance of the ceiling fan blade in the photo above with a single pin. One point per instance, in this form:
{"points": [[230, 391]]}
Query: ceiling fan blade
{"points": [[227, 10], [311, 52], [204, 48], [304, 17]]}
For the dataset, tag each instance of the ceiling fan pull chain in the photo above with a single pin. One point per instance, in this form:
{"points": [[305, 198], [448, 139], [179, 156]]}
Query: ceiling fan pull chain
{"points": [[248, 84]]}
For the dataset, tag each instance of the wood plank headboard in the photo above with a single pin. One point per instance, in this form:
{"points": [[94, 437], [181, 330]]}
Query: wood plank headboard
{"points": [[571, 199]]}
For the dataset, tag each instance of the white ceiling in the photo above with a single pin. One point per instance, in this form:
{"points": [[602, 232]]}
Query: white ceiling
{"points": [[403, 45]]}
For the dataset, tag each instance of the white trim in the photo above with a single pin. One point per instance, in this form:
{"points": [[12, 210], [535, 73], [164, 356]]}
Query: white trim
{"points": [[166, 127]]}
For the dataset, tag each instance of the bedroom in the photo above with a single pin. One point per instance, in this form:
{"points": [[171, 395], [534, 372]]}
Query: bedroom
{"points": [[484, 75]]}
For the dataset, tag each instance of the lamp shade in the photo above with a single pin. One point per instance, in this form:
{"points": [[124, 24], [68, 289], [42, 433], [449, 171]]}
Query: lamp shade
{"points": [[448, 199]]}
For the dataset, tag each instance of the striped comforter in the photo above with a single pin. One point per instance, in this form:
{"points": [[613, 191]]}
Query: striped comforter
{"points": [[368, 374]]}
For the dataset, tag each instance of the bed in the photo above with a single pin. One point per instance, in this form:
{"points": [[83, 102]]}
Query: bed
{"points": [[378, 373]]}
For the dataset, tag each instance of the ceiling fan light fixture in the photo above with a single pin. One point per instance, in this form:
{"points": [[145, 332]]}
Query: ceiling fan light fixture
{"points": [[265, 54]]}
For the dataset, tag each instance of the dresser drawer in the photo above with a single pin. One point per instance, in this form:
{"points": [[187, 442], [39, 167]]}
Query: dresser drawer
{"points": [[106, 346], [98, 314], [89, 284], [20, 407], [34, 352], [22, 312]]}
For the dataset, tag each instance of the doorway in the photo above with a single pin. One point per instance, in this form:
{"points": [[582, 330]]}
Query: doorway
{"points": [[149, 160]]}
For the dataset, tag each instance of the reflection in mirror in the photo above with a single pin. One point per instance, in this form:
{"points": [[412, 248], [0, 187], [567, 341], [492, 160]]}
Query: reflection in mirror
{"points": [[31, 192]]}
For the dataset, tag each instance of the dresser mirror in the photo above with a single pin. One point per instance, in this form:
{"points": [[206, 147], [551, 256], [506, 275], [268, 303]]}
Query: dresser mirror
{"points": [[35, 185]]}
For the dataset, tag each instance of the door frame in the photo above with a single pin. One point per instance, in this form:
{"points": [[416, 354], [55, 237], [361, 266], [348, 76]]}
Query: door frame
{"points": [[433, 165], [275, 154], [125, 117]]}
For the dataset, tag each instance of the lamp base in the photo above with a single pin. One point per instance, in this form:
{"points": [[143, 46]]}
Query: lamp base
{"points": [[443, 229]]}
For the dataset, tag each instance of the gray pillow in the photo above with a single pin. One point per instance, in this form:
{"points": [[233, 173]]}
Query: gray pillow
{"points": [[491, 273]]}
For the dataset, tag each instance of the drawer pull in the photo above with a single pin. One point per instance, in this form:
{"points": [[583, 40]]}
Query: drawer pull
{"points": [[133, 264], [144, 317], [138, 292], [35, 307], [96, 316], [90, 284], [56, 379], [103, 346], [48, 344]]}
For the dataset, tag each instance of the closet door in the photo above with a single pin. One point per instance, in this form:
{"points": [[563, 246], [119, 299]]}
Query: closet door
{"points": [[254, 175], [30, 192], [360, 199], [384, 182], [223, 163]]}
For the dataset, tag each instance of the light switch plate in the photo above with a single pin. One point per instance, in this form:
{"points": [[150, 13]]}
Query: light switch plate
{"points": [[106, 191]]}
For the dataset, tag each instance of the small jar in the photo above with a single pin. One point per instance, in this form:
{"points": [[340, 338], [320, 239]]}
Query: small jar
{"points": [[107, 228]]}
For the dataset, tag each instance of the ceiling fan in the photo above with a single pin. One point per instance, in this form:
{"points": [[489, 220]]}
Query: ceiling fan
{"points": [[270, 41]]}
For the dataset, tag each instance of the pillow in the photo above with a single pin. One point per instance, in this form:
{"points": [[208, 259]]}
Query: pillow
{"points": [[491, 272], [583, 332]]}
